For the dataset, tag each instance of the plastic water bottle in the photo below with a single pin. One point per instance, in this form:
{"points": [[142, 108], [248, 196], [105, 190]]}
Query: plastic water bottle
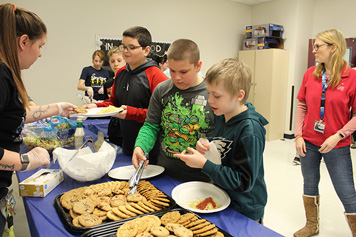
{"points": [[79, 134]]}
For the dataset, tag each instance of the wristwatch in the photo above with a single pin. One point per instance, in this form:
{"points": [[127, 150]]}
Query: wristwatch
{"points": [[24, 161], [341, 136]]}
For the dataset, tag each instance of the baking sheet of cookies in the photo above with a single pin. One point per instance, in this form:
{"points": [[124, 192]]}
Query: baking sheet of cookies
{"points": [[65, 208], [188, 219]]}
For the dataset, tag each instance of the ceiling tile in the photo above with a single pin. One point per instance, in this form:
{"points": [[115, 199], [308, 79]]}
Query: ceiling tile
{"points": [[251, 2]]}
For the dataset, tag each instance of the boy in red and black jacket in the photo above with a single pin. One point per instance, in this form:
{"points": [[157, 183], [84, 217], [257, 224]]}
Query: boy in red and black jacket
{"points": [[133, 87]]}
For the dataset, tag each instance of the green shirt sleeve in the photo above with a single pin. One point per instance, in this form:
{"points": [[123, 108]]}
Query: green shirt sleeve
{"points": [[147, 136]]}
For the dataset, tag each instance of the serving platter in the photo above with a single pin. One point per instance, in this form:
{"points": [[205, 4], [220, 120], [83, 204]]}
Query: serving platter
{"points": [[67, 219], [110, 229]]}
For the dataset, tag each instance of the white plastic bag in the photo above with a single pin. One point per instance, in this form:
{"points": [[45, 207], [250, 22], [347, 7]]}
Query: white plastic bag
{"points": [[86, 165]]}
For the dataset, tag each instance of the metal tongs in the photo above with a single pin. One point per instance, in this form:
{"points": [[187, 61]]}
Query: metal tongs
{"points": [[135, 178], [90, 139]]}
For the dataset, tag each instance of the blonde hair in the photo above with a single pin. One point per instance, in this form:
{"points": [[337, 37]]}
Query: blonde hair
{"points": [[15, 22], [336, 38], [233, 74], [113, 50], [182, 49]]}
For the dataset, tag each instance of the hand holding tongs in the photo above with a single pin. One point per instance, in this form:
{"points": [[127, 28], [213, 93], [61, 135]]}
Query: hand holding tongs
{"points": [[90, 139], [135, 178]]}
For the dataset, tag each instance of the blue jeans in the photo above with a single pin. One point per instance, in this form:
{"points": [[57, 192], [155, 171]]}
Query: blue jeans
{"points": [[339, 165]]}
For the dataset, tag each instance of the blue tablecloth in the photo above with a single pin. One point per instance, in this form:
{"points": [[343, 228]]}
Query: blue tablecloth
{"points": [[45, 221], [92, 126]]}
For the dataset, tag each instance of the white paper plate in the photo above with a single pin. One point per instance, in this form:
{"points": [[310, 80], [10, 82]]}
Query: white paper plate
{"points": [[188, 192], [125, 172], [93, 113]]}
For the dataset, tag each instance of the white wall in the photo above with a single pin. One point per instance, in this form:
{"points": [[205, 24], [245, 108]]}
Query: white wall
{"points": [[302, 20], [338, 14], [281, 12], [217, 26]]}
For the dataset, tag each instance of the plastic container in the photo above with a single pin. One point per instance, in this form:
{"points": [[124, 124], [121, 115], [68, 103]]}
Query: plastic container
{"points": [[79, 134]]}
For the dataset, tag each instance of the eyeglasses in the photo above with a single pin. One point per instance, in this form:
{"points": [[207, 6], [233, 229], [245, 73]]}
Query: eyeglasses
{"points": [[129, 48], [317, 46]]}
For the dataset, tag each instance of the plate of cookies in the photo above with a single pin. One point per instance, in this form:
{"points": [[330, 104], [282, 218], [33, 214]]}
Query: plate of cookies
{"points": [[125, 172], [174, 222], [201, 197]]}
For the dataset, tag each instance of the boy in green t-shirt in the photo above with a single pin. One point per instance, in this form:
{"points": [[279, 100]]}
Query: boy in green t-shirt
{"points": [[178, 113]]}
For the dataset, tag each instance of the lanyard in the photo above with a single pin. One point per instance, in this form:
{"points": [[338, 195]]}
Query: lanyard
{"points": [[324, 86]]}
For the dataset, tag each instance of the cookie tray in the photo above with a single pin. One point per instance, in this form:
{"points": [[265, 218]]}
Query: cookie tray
{"points": [[67, 219], [110, 229]]}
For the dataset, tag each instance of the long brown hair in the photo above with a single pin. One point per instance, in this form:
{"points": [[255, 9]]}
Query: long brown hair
{"points": [[15, 22], [333, 37]]}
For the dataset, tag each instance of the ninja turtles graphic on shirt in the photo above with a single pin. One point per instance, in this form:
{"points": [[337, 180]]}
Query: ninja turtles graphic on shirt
{"points": [[183, 121]]}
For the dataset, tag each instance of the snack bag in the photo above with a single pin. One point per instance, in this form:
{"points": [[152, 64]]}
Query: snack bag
{"points": [[50, 133], [33, 140], [63, 125]]}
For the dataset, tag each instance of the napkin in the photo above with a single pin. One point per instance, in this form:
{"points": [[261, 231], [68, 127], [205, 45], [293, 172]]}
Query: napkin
{"points": [[213, 154], [86, 165]]}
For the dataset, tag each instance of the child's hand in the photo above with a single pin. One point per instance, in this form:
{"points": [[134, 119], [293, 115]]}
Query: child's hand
{"points": [[122, 115], [89, 106], [101, 90], [203, 145], [90, 92], [137, 156], [193, 159]]}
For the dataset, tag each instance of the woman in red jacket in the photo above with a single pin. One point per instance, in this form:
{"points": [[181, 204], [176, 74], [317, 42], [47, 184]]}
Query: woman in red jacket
{"points": [[323, 127]]}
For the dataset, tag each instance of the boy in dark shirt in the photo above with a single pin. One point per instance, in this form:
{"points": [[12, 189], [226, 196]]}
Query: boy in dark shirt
{"points": [[134, 85]]}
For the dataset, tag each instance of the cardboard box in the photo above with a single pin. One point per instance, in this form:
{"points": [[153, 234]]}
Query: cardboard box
{"points": [[248, 32], [266, 30], [41, 183], [270, 43], [250, 44]]}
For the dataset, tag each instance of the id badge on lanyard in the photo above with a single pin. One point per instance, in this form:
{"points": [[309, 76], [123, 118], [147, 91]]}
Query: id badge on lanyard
{"points": [[319, 125]]}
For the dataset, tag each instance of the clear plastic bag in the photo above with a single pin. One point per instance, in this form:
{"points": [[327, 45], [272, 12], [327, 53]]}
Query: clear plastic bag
{"points": [[50, 133]]}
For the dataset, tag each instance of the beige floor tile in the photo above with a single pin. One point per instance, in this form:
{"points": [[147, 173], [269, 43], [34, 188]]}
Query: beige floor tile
{"points": [[284, 211]]}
